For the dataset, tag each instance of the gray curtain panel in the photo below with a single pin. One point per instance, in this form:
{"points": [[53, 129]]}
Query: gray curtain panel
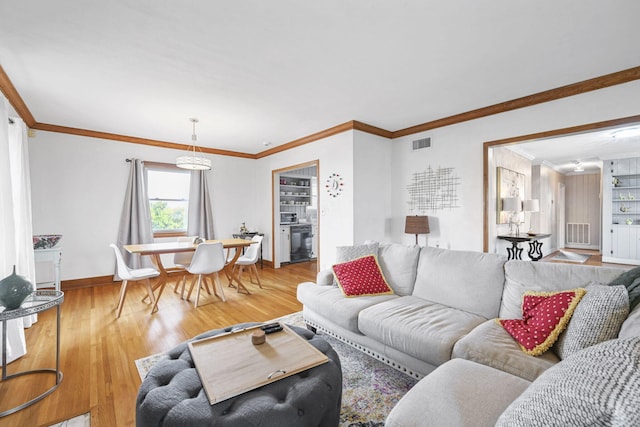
{"points": [[200, 221], [135, 221]]}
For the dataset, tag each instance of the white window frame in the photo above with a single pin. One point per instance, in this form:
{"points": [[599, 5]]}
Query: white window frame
{"points": [[167, 167]]}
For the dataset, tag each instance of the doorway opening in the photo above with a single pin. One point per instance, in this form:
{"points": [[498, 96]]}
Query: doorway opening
{"points": [[296, 224], [579, 145]]}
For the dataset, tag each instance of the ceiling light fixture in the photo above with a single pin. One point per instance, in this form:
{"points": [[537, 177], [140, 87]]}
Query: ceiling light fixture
{"points": [[578, 166], [626, 133], [191, 160]]}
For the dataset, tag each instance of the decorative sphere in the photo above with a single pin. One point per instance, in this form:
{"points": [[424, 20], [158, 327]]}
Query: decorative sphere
{"points": [[14, 289]]}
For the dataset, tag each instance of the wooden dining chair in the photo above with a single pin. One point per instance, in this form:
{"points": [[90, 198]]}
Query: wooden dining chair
{"points": [[129, 275], [208, 260]]}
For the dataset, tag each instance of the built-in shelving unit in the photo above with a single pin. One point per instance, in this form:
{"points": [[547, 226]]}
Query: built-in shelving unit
{"points": [[621, 211], [295, 194]]}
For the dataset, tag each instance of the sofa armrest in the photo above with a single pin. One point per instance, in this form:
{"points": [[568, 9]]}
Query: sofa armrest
{"points": [[325, 277]]}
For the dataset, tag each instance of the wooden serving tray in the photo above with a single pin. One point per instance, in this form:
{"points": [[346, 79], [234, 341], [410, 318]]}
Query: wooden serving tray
{"points": [[229, 364]]}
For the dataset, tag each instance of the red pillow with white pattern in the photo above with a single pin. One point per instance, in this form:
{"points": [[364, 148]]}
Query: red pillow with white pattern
{"points": [[544, 316], [361, 276]]}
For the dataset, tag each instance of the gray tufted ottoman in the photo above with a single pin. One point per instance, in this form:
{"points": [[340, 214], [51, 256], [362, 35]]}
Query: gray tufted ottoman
{"points": [[172, 394]]}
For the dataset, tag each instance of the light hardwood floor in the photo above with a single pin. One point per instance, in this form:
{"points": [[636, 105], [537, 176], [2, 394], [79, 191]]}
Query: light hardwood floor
{"points": [[98, 352]]}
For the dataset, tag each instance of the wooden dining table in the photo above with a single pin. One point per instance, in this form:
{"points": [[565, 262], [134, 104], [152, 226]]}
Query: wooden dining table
{"points": [[156, 249]]}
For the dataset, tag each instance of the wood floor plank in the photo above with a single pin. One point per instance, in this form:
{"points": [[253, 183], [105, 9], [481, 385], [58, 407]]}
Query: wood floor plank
{"points": [[98, 351]]}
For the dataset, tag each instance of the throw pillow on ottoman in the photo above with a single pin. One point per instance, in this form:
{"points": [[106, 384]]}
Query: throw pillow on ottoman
{"points": [[172, 394]]}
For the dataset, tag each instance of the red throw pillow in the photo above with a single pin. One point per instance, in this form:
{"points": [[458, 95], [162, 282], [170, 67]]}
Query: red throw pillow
{"points": [[544, 316], [361, 276]]}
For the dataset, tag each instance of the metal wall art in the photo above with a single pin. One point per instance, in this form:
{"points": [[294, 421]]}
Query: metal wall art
{"points": [[433, 189]]}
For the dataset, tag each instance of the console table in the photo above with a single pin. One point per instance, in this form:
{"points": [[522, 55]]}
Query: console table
{"points": [[35, 303], [48, 262], [535, 245]]}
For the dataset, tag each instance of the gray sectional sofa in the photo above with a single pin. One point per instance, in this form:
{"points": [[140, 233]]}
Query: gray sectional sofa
{"points": [[440, 324]]}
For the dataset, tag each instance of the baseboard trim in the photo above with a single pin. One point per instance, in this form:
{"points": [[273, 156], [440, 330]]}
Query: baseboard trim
{"points": [[90, 282], [87, 282]]}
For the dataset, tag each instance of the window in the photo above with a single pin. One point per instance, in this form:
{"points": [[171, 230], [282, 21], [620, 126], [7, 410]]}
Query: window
{"points": [[168, 190]]}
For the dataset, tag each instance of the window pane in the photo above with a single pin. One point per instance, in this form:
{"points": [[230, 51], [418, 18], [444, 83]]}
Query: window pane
{"points": [[168, 184], [169, 215], [168, 199]]}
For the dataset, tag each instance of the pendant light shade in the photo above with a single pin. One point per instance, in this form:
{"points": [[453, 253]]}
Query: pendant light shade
{"points": [[191, 160]]}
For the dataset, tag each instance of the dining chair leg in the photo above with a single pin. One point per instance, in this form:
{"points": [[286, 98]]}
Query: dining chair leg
{"points": [[123, 293], [193, 283], [195, 303], [229, 278], [184, 286], [206, 284], [255, 270], [152, 297], [218, 284]]}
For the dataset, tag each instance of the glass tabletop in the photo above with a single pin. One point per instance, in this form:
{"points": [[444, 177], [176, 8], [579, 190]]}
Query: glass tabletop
{"points": [[36, 302]]}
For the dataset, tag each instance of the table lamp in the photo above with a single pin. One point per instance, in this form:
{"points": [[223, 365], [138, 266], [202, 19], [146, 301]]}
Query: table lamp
{"points": [[514, 206], [416, 224], [532, 205]]}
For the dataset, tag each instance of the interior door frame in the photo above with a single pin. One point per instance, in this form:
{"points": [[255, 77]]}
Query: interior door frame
{"points": [[489, 145], [275, 207]]}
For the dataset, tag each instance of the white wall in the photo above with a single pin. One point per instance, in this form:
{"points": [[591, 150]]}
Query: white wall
{"points": [[335, 217], [78, 183], [372, 196], [460, 146], [78, 187]]}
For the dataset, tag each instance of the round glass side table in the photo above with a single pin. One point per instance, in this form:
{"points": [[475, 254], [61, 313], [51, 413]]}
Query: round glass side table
{"points": [[37, 302]]}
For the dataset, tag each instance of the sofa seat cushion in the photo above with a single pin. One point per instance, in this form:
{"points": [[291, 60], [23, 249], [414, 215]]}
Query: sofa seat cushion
{"points": [[330, 302], [419, 328], [597, 386], [489, 344], [466, 280], [459, 393]]}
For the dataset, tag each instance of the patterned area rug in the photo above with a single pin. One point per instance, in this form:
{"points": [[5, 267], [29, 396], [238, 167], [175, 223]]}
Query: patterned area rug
{"points": [[370, 389], [568, 256], [83, 420]]}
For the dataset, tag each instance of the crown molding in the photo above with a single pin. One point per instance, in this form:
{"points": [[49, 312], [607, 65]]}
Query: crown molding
{"points": [[584, 86], [14, 98], [624, 76]]}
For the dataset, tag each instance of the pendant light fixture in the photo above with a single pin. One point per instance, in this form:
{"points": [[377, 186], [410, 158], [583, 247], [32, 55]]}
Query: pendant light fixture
{"points": [[191, 160]]}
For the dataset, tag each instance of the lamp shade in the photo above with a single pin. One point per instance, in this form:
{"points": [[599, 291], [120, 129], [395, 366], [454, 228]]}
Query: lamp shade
{"points": [[532, 205], [416, 224], [511, 204]]}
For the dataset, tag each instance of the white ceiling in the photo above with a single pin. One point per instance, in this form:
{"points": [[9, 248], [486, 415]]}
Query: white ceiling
{"points": [[588, 149], [258, 71]]}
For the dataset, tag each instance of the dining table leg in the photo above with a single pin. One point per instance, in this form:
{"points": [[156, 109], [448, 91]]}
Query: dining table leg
{"points": [[161, 281]]}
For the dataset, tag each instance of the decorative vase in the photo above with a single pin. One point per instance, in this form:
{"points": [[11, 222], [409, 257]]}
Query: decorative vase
{"points": [[14, 289]]}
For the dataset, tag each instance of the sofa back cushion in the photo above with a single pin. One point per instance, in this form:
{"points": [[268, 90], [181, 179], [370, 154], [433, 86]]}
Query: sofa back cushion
{"points": [[466, 280], [597, 386], [631, 326], [399, 264], [522, 276]]}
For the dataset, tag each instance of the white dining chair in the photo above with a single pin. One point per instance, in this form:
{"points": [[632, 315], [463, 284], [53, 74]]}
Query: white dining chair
{"points": [[208, 259], [249, 259], [181, 261], [132, 274]]}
